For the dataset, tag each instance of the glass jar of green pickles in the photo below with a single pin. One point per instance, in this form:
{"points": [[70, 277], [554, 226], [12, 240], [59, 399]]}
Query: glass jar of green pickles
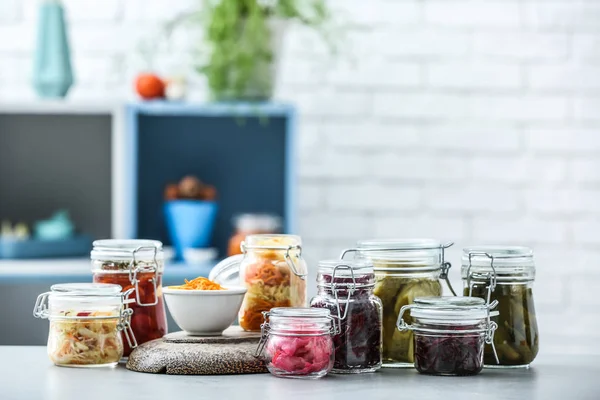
{"points": [[404, 269], [505, 274]]}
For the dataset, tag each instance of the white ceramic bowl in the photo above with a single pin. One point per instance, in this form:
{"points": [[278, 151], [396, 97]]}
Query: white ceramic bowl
{"points": [[204, 312]]}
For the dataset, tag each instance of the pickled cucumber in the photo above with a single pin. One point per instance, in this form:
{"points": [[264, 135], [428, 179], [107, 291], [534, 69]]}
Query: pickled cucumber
{"points": [[517, 337], [395, 292]]}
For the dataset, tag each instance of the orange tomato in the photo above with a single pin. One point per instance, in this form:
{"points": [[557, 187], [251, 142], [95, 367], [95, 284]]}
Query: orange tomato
{"points": [[150, 86]]}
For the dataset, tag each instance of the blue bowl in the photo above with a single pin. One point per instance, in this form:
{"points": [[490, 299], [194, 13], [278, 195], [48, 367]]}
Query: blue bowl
{"points": [[190, 223]]}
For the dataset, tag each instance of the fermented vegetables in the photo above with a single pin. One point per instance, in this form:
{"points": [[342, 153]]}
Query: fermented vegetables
{"points": [[297, 342], [404, 269], [148, 322], [395, 291], [517, 337], [199, 283], [357, 314], [86, 320], [449, 354], [450, 333], [299, 355], [137, 266], [509, 271], [269, 278], [89, 341]]}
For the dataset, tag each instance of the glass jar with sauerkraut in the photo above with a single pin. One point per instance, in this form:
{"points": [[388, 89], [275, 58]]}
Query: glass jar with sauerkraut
{"points": [[272, 269], [505, 274], [86, 321], [137, 266], [404, 269]]}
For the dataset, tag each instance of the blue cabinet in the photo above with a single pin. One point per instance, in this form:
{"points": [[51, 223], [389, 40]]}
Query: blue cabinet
{"points": [[245, 150]]}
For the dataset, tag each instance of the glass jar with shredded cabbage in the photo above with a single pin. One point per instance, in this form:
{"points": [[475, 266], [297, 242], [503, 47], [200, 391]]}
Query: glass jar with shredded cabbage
{"points": [[86, 321], [274, 272], [345, 288], [450, 333], [297, 343], [404, 269]]}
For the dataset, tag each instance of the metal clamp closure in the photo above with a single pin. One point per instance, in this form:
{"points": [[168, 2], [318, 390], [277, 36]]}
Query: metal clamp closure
{"points": [[490, 288], [485, 276], [134, 269], [125, 314], [287, 256], [40, 309], [264, 334], [337, 328], [490, 326]]}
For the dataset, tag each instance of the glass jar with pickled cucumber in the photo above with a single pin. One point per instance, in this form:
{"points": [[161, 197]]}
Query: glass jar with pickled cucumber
{"points": [[505, 274], [404, 269]]}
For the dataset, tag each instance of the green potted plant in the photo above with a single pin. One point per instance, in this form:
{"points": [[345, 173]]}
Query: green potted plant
{"points": [[242, 40]]}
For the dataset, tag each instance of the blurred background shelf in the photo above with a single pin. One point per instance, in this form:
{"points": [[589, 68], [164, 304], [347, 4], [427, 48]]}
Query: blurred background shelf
{"points": [[60, 107], [60, 270], [223, 144], [22, 280], [112, 174]]}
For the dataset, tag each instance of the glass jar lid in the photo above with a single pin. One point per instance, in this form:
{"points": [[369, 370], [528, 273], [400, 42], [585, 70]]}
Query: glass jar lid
{"points": [[271, 242], [415, 254], [287, 247], [345, 268], [515, 261], [126, 249], [449, 308], [295, 321], [299, 320], [86, 297], [298, 312], [85, 289], [346, 274]]}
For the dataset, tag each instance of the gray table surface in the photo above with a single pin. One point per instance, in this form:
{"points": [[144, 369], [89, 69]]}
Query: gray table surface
{"points": [[26, 373]]}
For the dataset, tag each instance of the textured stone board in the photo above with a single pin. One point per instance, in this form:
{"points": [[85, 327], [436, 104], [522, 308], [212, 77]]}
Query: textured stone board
{"points": [[180, 354]]}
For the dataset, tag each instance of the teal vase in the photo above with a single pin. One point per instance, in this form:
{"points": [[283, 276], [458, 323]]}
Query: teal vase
{"points": [[52, 72]]}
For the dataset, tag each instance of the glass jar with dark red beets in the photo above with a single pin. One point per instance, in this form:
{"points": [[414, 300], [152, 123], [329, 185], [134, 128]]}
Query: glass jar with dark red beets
{"points": [[138, 265], [449, 333], [345, 288]]}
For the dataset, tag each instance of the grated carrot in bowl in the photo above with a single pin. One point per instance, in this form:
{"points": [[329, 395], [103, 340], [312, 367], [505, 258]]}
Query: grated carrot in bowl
{"points": [[199, 283]]}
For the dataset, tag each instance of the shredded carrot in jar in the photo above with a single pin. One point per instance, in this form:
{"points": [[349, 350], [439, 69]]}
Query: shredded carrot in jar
{"points": [[199, 283], [253, 317]]}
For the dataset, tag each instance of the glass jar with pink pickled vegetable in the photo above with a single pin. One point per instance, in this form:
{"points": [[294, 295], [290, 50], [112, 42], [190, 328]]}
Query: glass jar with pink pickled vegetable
{"points": [[297, 342]]}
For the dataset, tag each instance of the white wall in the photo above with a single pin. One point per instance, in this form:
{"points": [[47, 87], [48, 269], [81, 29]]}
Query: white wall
{"points": [[474, 121]]}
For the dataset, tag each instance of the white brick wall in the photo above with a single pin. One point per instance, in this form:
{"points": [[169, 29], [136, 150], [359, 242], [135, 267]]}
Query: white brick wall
{"points": [[476, 121]]}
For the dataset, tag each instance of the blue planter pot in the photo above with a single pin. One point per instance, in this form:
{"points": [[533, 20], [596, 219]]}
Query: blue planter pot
{"points": [[52, 72], [190, 223]]}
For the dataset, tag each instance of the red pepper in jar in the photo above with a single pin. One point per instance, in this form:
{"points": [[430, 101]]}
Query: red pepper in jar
{"points": [[148, 322]]}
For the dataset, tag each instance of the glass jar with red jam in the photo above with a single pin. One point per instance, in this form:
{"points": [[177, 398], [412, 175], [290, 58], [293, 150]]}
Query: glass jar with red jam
{"points": [[137, 266], [296, 342], [449, 333], [345, 288]]}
